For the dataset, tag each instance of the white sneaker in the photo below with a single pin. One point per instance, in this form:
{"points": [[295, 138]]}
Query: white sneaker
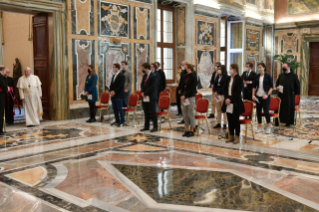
{"points": [[268, 131], [259, 130]]}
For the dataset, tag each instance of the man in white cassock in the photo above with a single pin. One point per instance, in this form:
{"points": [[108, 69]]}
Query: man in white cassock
{"points": [[31, 94]]}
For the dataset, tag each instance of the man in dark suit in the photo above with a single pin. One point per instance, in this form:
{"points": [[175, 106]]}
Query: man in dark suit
{"points": [[3, 94], [248, 77], [117, 95], [162, 75], [10, 99], [158, 81], [149, 94]]}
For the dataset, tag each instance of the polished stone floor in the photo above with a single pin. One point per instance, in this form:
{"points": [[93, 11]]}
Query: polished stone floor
{"points": [[75, 166]]}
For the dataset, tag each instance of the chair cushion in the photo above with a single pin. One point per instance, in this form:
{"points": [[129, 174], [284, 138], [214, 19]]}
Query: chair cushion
{"points": [[102, 107], [200, 117], [296, 109], [244, 121], [161, 113], [128, 109]]}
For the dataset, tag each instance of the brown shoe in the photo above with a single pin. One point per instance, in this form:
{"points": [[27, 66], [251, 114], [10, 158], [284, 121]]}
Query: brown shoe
{"points": [[237, 140], [230, 139]]}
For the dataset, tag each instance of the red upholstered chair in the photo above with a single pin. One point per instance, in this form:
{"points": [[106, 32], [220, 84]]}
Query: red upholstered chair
{"points": [[164, 105], [139, 102], [132, 106], [274, 106], [197, 97], [164, 94], [297, 107], [249, 112], [202, 106], [167, 90], [104, 104]]}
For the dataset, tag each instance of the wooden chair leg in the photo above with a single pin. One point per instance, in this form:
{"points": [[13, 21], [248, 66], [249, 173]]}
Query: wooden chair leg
{"points": [[207, 126], [273, 124], [198, 127], [246, 134], [109, 114], [169, 121], [299, 117], [252, 129], [279, 122], [136, 117], [127, 118], [160, 123]]}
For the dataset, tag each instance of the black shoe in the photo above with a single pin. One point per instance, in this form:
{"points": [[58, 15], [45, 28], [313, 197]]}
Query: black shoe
{"points": [[190, 134], [185, 134], [2, 133], [89, 121], [178, 114], [225, 127], [195, 129], [211, 116], [10, 124], [154, 130], [288, 125], [93, 120], [144, 129], [120, 125], [181, 122], [217, 126], [113, 123]]}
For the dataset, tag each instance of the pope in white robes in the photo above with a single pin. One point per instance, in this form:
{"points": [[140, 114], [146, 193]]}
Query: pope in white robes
{"points": [[31, 94]]}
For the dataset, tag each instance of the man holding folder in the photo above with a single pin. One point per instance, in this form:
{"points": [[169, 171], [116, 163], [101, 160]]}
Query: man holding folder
{"points": [[149, 94]]}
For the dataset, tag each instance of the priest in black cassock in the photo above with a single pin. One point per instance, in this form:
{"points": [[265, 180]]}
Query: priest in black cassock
{"points": [[9, 103], [287, 86], [3, 92]]}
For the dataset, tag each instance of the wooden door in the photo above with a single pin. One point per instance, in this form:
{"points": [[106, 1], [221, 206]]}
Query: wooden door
{"points": [[41, 59]]}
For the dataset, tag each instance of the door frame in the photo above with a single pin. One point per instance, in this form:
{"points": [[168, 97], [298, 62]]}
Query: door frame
{"points": [[59, 75]]}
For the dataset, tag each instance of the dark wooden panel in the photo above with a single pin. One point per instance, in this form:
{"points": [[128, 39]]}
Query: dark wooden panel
{"points": [[314, 69], [41, 59]]}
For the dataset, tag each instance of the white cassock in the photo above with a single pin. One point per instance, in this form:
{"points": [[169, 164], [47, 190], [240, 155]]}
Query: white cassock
{"points": [[30, 90]]}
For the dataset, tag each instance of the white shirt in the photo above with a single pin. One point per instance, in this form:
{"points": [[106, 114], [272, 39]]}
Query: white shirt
{"points": [[230, 86], [261, 91], [248, 72]]}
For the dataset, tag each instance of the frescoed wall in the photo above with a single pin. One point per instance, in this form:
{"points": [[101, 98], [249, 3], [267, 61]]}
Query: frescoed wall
{"points": [[253, 44]]}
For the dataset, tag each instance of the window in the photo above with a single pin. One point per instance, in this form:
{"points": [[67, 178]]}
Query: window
{"points": [[235, 44], [166, 41], [223, 40]]}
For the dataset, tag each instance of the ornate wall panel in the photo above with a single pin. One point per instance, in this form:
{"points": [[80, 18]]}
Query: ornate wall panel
{"points": [[252, 40], [205, 33], [180, 26], [204, 67], [83, 55], [141, 23], [181, 52], [114, 20], [142, 55], [254, 59], [289, 42], [300, 7], [82, 16], [269, 46], [110, 53], [276, 63]]}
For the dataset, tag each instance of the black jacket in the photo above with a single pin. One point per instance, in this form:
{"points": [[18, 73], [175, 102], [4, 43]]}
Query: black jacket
{"points": [[150, 89], [235, 97], [158, 82], [267, 84], [118, 86], [163, 80], [3, 85], [219, 85], [212, 80], [183, 75], [189, 88], [251, 77]]}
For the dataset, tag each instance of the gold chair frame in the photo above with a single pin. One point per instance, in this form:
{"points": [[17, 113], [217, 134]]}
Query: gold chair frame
{"points": [[200, 120], [107, 109], [273, 123], [127, 113], [167, 116], [251, 122]]}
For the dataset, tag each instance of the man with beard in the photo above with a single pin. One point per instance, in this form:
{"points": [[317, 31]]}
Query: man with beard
{"points": [[287, 86]]}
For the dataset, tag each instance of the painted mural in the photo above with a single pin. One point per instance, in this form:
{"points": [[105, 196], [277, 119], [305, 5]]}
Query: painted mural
{"points": [[142, 55], [114, 20], [205, 63], [254, 59], [205, 33], [141, 23], [252, 40], [83, 55], [289, 43], [110, 53], [181, 26], [82, 16], [269, 4], [181, 56], [302, 6]]}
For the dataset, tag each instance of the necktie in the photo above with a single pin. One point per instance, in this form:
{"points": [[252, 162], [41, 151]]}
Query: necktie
{"points": [[145, 79]]}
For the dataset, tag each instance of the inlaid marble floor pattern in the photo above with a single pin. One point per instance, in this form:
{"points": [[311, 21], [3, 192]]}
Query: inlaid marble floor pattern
{"points": [[75, 166]]}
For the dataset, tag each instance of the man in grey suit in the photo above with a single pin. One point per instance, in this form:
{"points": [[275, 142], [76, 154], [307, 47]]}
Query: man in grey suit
{"points": [[128, 83]]}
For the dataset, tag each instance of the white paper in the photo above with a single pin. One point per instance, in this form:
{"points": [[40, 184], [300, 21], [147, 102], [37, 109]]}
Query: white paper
{"points": [[230, 108], [245, 85], [90, 97], [281, 89], [146, 99], [186, 102], [219, 99]]}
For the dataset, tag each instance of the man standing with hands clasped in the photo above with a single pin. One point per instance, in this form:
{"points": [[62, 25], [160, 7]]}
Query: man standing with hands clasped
{"points": [[117, 95], [287, 86], [248, 78], [149, 94]]}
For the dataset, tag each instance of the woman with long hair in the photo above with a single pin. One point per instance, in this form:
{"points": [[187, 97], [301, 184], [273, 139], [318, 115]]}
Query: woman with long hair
{"points": [[90, 91]]}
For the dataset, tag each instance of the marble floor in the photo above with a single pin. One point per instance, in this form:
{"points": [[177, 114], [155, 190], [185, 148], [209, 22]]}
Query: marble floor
{"points": [[75, 166]]}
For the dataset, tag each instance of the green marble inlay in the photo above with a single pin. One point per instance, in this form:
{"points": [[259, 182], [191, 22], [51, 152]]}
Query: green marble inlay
{"points": [[210, 189]]}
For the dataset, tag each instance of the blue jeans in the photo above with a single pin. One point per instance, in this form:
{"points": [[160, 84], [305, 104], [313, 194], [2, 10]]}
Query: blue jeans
{"points": [[126, 98], [263, 105], [118, 108]]}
